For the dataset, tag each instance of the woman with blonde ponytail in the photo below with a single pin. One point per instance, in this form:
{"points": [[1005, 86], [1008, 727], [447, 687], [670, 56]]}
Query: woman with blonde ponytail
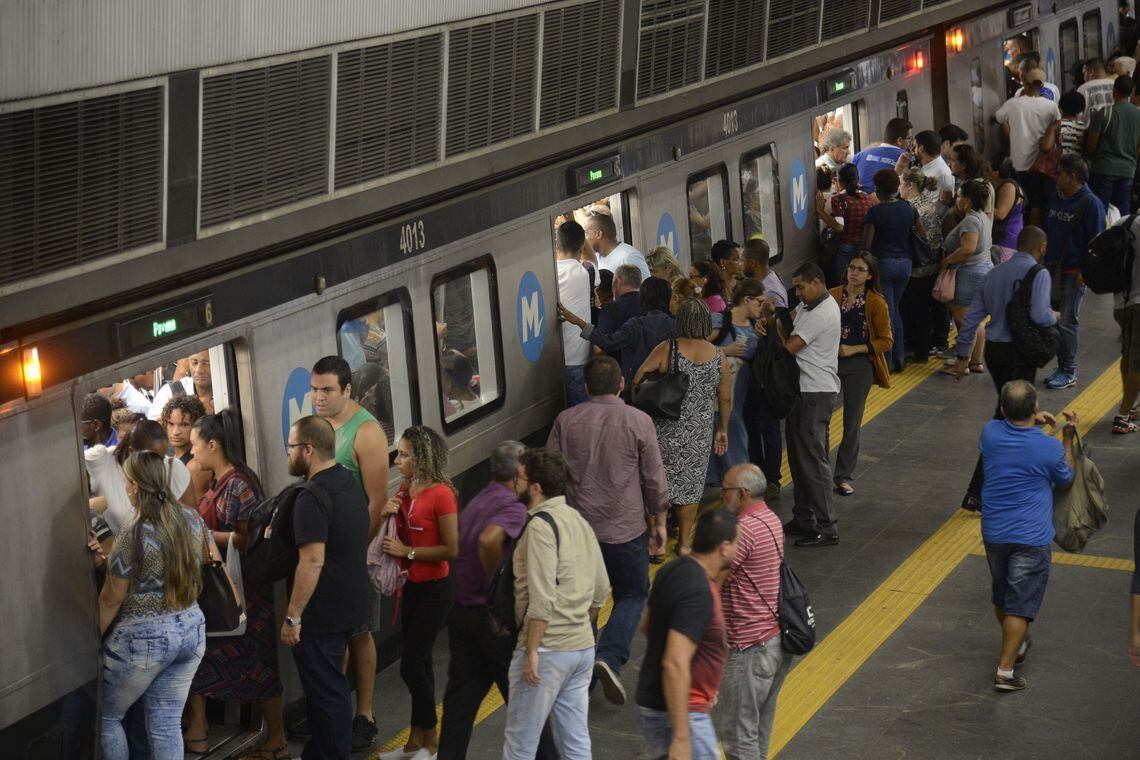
{"points": [[151, 596]]}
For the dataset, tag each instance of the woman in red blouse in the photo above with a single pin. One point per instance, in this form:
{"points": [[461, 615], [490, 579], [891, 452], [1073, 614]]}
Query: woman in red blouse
{"points": [[427, 536]]}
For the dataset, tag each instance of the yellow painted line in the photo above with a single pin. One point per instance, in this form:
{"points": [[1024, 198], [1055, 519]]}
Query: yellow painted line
{"points": [[845, 650], [1083, 560]]}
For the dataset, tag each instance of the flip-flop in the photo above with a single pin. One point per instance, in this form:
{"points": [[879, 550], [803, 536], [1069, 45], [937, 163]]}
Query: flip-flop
{"points": [[949, 370], [844, 489], [656, 559]]}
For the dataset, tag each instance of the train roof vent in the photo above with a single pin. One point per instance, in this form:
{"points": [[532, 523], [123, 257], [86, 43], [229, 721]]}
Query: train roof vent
{"points": [[491, 76], [388, 108], [842, 17], [792, 25], [736, 36], [265, 138], [932, 3], [669, 45], [580, 46], [892, 9], [80, 181]]}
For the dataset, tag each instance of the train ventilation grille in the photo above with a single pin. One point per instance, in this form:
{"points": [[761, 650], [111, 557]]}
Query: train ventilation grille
{"points": [[842, 17], [736, 36], [80, 181], [580, 45], [265, 138], [388, 108], [892, 9], [792, 25], [491, 80], [669, 45]]}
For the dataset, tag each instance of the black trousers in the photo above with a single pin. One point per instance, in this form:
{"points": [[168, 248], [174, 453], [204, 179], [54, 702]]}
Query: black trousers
{"points": [[478, 660], [918, 315], [423, 610], [328, 701], [1003, 366]]}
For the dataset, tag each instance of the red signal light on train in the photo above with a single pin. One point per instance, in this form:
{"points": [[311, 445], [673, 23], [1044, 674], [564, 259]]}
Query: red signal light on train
{"points": [[919, 61], [955, 40]]}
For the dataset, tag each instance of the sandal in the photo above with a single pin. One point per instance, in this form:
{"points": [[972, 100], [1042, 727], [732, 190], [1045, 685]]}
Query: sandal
{"points": [[977, 368], [1122, 423], [949, 370], [269, 753], [186, 742], [656, 559]]}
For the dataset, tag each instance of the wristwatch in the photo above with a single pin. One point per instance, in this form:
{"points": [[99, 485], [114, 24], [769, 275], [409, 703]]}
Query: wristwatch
{"points": [[411, 554], [292, 622]]}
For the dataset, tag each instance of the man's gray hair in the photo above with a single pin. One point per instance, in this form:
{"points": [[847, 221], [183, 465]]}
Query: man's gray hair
{"points": [[630, 275], [504, 461], [836, 137], [751, 478]]}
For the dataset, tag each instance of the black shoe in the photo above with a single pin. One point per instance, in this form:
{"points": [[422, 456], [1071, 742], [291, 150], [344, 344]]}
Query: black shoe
{"points": [[363, 733], [818, 540], [611, 684], [792, 529], [299, 729], [971, 503]]}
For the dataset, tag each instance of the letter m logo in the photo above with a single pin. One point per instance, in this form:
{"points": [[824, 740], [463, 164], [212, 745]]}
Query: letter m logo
{"points": [[531, 318]]}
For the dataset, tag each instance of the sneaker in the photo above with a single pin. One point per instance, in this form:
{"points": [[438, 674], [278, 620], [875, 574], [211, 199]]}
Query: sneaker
{"points": [[1052, 375], [1012, 683], [1060, 380], [1024, 650], [425, 754], [363, 733], [299, 729], [611, 684], [400, 754]]}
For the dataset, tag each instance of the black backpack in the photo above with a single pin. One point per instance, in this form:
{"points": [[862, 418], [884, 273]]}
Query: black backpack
{"points": [[501, 596], [1106, 265], [776, 375], [271, 551], [1035, 345], [795, 616]]}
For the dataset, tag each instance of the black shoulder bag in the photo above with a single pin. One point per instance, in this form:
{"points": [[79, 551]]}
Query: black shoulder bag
{"points": [[795, 616], [661, 397]]}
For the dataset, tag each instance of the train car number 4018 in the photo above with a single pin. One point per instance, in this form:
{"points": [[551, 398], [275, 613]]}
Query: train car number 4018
{"points": [[731, 123], [412, 237]]}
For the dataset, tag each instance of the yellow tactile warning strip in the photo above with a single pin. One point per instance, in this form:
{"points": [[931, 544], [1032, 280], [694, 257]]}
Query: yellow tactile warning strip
{"points": [[835, 659], [1081, 560]]}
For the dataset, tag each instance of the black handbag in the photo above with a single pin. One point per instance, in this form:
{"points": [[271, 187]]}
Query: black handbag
{"points": [[661, 396], [218, 598]]}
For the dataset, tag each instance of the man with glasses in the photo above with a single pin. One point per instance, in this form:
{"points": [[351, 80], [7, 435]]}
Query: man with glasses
{"points": [[757, 664], [892, 153], [328, 585], [836, 149]]}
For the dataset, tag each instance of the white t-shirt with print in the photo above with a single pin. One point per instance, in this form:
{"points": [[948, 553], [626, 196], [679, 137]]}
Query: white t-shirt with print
{"points": [[818, 360], [1098, 96]]}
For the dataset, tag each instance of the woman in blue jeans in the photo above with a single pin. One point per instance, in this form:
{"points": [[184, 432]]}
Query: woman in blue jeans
{"points": [[886, 234], [151, 598]]}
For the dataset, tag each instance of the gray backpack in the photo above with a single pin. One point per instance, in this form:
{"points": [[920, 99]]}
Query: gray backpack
{"points": [[1080, 509]]}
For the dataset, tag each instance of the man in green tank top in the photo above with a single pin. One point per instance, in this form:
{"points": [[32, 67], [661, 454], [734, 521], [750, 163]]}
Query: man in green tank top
{"points": [[362, 449]]}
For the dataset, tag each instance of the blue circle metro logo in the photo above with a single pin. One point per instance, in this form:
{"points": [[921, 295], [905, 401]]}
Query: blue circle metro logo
{"points": [[296, 401], [530, 310], [798, 189]]}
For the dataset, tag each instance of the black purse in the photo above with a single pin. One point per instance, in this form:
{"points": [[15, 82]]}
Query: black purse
{"points": [[661, 396], [218, 598]]}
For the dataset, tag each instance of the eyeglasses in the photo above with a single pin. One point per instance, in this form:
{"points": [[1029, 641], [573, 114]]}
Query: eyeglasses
{"points": [[853, 268], [290, 446], [726, 489]]}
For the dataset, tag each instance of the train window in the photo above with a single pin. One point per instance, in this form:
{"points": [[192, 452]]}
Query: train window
{"points": [[375, 338], [978, 113], [902, 106], [1070, 53], [708, 211], [843, 117], [466, 314], [616, 206], [760, 195], [1090, 25]]}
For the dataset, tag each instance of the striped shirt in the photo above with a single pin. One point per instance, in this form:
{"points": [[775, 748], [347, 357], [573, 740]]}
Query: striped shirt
{"points": [[751, 596], [1072, 134]]}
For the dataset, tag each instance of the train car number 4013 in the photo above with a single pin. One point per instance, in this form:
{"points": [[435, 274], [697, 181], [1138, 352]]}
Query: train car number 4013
{"points": [[412, 237]]}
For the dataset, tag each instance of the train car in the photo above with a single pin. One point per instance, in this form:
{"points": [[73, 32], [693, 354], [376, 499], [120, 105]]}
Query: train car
{"points": [[398, 283]]}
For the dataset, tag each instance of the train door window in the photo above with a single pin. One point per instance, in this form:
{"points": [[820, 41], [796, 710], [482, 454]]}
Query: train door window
{"points": [[844, 117], [465, 309], [615, 206], [375, 338], [707, 200], [902, 106], [977, 111], [760, 196], [1090, 25], [1012, 47], [1070, 53]]}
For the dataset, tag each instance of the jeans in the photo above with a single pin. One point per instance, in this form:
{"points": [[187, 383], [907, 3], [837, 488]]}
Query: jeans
{"points": [[1114, 190], [563, 696], [424, 613], [328, 701], [627, 565], [658, 733], [1071, 296], [807, 429], [1001, 358], [752, 681], [765, 445], [893, 276], [478, 660], [575, 378], [855, 377], [154, 660]]}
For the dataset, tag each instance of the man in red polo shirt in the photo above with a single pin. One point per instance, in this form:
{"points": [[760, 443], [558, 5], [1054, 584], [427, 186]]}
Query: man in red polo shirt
{"points": [[757, 664]]}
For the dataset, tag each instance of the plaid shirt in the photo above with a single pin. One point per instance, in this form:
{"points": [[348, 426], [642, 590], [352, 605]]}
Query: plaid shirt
{"points": [[853, 209]]}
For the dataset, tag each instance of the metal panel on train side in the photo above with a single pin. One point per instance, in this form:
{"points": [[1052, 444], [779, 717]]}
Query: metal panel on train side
{"points": [[51, 644]]}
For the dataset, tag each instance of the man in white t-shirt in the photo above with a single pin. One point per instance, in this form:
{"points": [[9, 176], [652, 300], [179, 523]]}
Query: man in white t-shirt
{"points": [[1097, 89], [1026, 118], [1031, 61], [574, 296], [928, 148], [602, 234], [815, 343], [199, 382]]}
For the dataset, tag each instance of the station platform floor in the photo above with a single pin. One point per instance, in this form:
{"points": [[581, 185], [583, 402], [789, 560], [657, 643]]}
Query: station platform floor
{"points": [[907, 641]]}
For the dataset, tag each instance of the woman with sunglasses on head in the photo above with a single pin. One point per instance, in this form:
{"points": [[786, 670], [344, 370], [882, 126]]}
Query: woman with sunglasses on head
{"points": [[864, 341]]}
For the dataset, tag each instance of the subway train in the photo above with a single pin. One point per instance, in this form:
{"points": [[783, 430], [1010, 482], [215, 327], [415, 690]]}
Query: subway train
{"points": [[439, 288]]}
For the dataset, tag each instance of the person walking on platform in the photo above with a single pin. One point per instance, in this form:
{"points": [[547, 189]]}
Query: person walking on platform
{"points": [[1126, 311], [614, 478], [1001, 355], [815, 342], [765, 442], [1022, 466], [687, 646]]}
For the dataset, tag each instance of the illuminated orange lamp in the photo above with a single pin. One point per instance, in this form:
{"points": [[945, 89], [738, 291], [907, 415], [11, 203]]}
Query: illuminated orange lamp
{"points": [[919, 60], [33, 378]]}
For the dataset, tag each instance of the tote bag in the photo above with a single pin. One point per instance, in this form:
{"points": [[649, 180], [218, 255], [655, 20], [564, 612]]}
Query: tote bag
{"points": [[944, 286], [220, 601]]}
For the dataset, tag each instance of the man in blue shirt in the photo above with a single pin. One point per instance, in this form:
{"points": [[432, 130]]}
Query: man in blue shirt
{"points": [[1001, 355], [1022, 466], [893, 153]]}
